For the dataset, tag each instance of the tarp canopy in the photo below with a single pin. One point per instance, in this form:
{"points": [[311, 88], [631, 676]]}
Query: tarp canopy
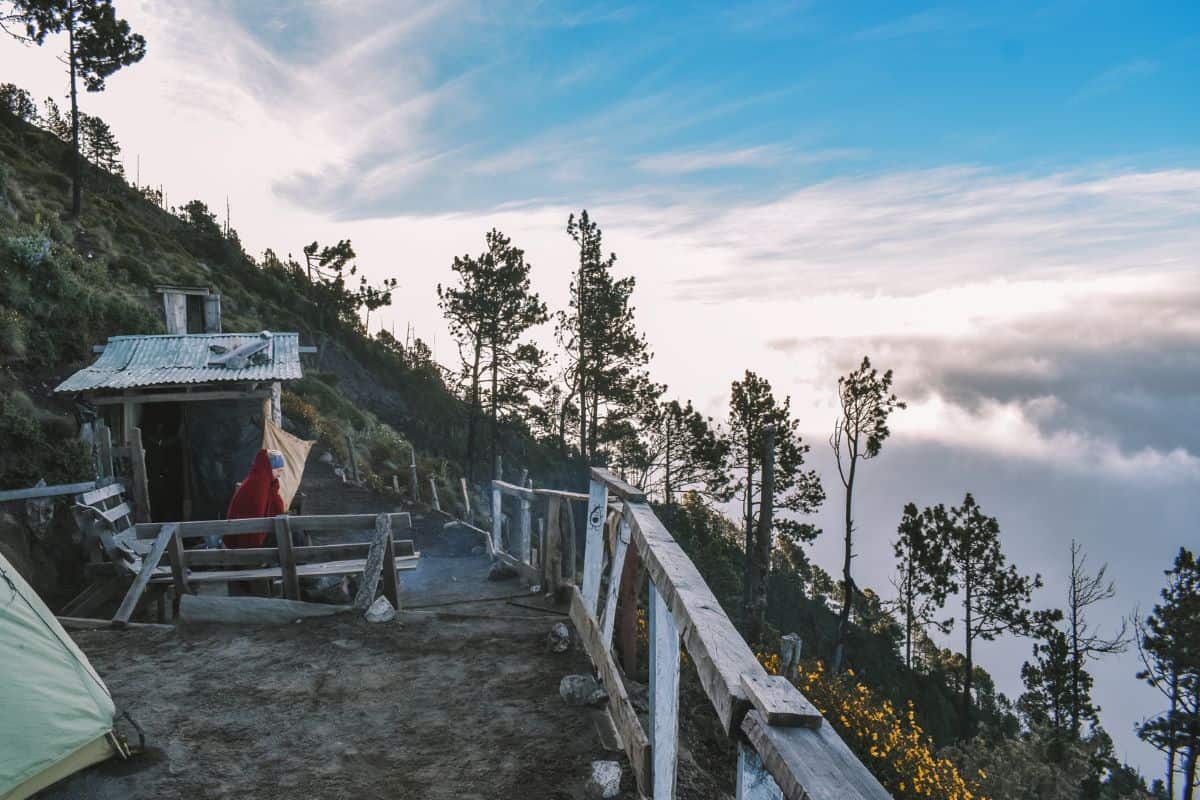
{"points": [[56, 715], [295, 453]]}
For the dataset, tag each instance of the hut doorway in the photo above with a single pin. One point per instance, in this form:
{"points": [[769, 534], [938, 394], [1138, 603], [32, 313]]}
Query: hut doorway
{"points": [[164, 437]]}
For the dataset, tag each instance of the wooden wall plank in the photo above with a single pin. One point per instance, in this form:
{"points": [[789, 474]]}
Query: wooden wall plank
{"points": [[593, 554], [664, 696]]}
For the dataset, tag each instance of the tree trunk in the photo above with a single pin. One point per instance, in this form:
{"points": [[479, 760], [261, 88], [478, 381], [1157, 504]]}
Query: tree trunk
{"points": [[1076, 657], [1172, 748], [843, 629], [667, 479], [1189, 770], [473, 414], [969, 665], [494, 409], [76, 158], [908, 617], [762, 550], [749, 520]]}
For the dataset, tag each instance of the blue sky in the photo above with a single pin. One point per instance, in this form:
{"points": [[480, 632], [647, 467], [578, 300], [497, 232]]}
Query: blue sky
{"points": [[1001, 201]]}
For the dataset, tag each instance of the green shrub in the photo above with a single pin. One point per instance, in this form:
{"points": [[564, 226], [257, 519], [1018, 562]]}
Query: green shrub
{"points": [[38, 444]]}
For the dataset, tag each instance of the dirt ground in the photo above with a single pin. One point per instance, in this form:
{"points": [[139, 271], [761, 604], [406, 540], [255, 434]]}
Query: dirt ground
{"points": [[452, 700]]}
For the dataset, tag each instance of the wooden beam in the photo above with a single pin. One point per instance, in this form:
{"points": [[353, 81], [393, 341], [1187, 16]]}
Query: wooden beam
{"points": [[466, 499], [149, 564], [401, 520], [513, 490], [664, 696], [633, 737], [593, 554], [287, 560], [616, 569], [307, 554], [779, 702], [617, 486], [46, 491], [96, 495], [178, 566], [86, 624], [181, 397], [811, 763], [720, 654], [561, 494]]}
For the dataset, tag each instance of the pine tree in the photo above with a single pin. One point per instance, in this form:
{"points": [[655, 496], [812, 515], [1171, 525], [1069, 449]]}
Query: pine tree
{"points": [[18, 102], [680, 450], [924, 571], [995, 596], [752, 407], [100, 145], [1169, 644], [606, 378], [489, 311], [98, 44], [866, 402]]}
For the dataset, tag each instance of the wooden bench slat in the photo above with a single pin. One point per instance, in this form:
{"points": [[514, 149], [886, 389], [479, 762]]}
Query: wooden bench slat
{"points": [[308, 554], [347, 567], [104, 492], [116, 512], [401, 520]]}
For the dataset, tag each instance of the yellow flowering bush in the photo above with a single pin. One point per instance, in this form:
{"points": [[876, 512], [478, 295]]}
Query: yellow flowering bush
{"points": [[888, 741]]}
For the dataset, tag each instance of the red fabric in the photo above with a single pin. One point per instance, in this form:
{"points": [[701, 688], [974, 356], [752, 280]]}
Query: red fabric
{"points": [[258, 496]]}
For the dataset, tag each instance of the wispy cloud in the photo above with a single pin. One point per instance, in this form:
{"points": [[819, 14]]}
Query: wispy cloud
{"points": [[1115, 79], [928, 21]]}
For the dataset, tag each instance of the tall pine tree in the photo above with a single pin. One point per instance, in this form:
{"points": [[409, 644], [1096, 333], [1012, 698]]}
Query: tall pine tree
{"points": [[922, 582]]}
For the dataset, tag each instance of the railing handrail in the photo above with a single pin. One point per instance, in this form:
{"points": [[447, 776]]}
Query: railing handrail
{"points": [[806, 762]]}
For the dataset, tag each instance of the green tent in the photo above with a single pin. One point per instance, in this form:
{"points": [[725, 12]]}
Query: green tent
{"points": [[56, 715]]}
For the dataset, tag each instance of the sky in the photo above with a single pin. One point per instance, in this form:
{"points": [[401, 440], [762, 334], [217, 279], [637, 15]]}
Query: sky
{"points": [[999, 201]]}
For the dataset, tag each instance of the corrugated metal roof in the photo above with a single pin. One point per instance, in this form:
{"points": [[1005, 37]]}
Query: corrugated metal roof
{"points": [[130, 361]]}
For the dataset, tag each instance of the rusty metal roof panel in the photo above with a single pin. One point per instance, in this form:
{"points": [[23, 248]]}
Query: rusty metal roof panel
{"points": [[132, 361]]}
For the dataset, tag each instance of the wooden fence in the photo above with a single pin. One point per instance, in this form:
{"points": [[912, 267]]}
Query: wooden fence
{"points": [[785, 748]]}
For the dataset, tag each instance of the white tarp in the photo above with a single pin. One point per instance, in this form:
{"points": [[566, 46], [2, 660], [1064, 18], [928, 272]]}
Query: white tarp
{"points": [[295, 453]]}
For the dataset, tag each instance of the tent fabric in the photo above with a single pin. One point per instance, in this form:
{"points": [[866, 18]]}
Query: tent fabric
{"points": [[56, 714], [295, 453]]}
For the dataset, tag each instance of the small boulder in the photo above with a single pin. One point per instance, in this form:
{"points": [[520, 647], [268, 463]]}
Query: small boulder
{"points": [[380, 611], [326, 457], [501, 572], [605, 780], [582, 690], [559, 640]]}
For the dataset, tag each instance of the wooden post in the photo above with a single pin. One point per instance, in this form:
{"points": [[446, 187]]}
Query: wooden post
{"points": [[627, 602], [437, 504], [353, 460], [391, 585], [149, 564], [373, 570], [753, 780], [104, 457], [178, 567], [568, 550], [466, 500], [141, 488], [396, 484], [552, 560], [497, 516], [593, 554], [524, 534], [499, 468], [664, 696], [614, 583], [276, 404], [287, 559], [789, 655], [412, 474]]}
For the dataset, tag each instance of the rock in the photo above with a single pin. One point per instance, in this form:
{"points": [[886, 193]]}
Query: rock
{"points": [[326, 457], [501, 572], [581, 690], [333, 589], [380, 611], [605, 780], [559, 639], [639, 696]]}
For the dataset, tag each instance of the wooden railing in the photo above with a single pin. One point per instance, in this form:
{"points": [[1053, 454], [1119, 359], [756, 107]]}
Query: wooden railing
{"points": [[785, 748]]}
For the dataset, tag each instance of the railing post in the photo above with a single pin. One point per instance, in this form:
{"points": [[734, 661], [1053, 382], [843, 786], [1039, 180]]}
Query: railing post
{"points": [[497, 514], [525, 534], [664, 696], [753, 780], [614, 582], [593, 554]]}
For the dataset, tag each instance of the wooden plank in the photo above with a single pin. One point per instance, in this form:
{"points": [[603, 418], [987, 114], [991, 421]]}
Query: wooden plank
{"points": [[617, 486], [141, 482], [593, 554], [149, 564], [437, 503], [513, 490], [287, 561], [35, 492], [633, 737], [616, 569], [664, 696], [753, 780], [103, 493], [720, 654], [229, 527], [87, 624], [115, 513], [252, 610], [779, 702], [348, 567], [466, 499], [811, 763], [552, 558], [182, 397], [373, 567], [560, 494], [524, 531], [308, 554], [391, 585]]}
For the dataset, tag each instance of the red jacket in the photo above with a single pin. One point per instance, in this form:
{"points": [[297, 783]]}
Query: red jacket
{"points": [[258, 496]]}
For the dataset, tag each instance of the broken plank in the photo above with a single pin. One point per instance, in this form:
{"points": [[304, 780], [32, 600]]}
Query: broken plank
{"points": [[779, 702], [86, 624], [373, 566], [149, 564]]}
